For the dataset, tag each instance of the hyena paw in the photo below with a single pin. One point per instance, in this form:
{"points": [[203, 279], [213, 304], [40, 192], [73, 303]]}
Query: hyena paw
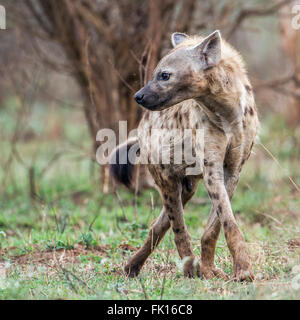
{"points": [[132, 270], [191, 269], [243, 272], [220, 273], [212, 272]]}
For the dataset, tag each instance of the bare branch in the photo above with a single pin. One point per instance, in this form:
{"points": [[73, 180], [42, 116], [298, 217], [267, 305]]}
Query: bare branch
{"points": [[247, 13]]}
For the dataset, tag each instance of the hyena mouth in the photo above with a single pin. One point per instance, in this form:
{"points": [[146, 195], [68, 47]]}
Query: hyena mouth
{"points": [[156, 107]]}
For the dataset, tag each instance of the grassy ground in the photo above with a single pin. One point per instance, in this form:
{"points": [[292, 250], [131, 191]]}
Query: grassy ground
{"points": [[73, 242]]}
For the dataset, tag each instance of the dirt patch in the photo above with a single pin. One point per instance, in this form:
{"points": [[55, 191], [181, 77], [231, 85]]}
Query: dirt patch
{"points": [[293, 244], [169, 268], [61, 256], [150, 266], [127, 247]]}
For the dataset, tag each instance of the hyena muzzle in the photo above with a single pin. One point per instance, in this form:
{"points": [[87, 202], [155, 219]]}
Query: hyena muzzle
{"points": [[201, 84]]}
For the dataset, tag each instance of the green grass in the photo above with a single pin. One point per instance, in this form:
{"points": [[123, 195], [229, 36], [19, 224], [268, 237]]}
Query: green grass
{"points": [[73, 242]]}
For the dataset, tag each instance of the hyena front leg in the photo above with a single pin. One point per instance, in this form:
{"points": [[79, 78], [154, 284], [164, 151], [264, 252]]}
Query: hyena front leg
{"points": [[157, 231], [215, 185]]}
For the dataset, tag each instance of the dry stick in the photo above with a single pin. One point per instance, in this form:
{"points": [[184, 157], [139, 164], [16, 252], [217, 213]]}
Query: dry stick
{"points": [[51, 207], [279, 165], [152, 207], [31, 172], [13, 142], [124, 217], [277, 82], [120, 77], [147, 59], [136, 191], [278, 85], [93, 221], [91, 89], [97, 214], [270, 217], [121, 205], [121, 291], [118, 227], [70, 282], [144, 289], [99, 24], [44, 217], [288, 93], [252, 12], [67, 273], [165, 275], [67, 195], [32, 184], [18, 126], [163, 287], [141, 66], [48, 166], [226, 12]]}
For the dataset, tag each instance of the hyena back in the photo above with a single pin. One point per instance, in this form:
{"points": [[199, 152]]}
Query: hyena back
{"points": [[201, 84]]}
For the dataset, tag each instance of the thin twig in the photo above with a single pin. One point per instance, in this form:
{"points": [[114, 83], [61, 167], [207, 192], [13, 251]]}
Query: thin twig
{"points": [[121, 205], [246, 13], [165, 275], [144, 289], [280, 166], [136, 191]]}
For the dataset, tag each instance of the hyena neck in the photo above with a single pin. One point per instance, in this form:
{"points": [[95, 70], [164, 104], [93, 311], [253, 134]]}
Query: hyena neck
{"points": [[226, 107]]}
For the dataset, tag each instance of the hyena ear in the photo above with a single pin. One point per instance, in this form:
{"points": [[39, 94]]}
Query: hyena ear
{"points": [[177, 38], [210, 50]]}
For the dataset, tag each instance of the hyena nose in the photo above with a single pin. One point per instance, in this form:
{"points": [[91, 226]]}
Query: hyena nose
{"points": [[138, 97]]}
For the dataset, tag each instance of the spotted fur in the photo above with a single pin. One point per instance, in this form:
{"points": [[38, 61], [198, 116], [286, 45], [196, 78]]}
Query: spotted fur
{"points": [[209, 90]]}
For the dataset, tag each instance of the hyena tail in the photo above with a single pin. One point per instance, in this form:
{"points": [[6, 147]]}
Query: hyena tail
{"points": [[125, 169]]}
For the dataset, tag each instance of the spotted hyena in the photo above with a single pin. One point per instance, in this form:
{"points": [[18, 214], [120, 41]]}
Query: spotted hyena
{"points": [[201, 84]]}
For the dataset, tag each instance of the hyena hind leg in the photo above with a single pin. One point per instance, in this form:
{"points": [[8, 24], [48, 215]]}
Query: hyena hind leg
{"points": [[157, 231]]}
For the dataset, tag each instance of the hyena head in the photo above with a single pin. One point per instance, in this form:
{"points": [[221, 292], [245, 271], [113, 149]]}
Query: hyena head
{"points": [[180, 75]]}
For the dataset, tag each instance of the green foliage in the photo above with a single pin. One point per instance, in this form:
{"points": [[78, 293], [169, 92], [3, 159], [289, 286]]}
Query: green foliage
{"points": [[88, 240], [72, 243]]}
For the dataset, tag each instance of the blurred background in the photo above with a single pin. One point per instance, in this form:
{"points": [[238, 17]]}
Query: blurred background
{"points": [[70, 67]]}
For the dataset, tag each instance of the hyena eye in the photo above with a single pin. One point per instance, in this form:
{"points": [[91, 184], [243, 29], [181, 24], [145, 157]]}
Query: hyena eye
{"points": [[165, 76]]}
